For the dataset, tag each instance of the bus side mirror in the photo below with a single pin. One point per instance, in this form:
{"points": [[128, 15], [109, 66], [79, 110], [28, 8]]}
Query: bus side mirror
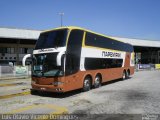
{"points": [[24, 59], [59, 56]]}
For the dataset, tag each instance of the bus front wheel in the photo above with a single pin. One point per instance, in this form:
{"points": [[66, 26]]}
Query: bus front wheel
{"points": [[87, 84]]}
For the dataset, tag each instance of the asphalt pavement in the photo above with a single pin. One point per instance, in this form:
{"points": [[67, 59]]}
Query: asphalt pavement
{"points": [[133, 98]]}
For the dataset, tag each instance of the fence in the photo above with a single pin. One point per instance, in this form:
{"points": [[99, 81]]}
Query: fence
{"points": [[14, 71], [17, 71]]}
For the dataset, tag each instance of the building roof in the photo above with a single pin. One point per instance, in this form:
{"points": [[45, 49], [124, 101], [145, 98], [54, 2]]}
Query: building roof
{"points": [[139, 42], [19, 33], [34, 34]]}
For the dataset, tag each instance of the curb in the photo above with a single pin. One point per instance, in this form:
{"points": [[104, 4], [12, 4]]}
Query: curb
{"points": [[10, 78]]}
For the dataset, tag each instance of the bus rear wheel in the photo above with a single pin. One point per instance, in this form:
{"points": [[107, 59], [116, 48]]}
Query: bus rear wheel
{"points": [[125, 75], [128, 73], [97, 81], [87, 84]]}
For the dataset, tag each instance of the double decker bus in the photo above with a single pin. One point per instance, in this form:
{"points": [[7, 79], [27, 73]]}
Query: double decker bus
{"points": [[70, 58]]}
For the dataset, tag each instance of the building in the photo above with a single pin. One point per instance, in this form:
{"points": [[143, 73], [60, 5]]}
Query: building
{"points": [[15, 43], [146, 51]]}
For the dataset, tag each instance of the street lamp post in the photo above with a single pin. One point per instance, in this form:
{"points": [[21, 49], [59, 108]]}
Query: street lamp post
{"points": [[61, 15]]}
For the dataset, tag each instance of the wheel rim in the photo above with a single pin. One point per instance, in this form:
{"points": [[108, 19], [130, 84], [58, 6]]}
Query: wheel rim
{"points": [[97, 82], [124, 75], [87, 84]]}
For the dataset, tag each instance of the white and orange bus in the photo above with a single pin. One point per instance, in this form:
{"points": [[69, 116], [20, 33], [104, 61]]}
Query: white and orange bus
{"points": [[69, 58]]}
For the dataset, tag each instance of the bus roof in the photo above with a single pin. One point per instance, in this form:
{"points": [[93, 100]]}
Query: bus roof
{"points": [[79, 28]]}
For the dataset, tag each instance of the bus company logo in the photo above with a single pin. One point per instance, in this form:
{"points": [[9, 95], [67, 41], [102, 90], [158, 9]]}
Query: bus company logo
{"points": [[110, 54], [45, 50], [41, 50]]}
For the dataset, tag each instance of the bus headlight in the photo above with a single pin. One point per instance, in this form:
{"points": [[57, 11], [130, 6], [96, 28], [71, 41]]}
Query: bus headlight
{"points": [[58, 83]]}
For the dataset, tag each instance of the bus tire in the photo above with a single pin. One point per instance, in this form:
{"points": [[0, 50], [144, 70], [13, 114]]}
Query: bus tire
{"points": [[124, 76], [128, 73], [86, 84], [97, 81]]}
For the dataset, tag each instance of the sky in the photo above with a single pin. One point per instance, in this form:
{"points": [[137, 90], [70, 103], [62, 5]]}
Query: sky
{"points": [[121, 18]]}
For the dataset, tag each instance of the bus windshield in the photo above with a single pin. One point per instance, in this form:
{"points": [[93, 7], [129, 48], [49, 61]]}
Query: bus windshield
{"points": [[52, 39], [44, 65]]}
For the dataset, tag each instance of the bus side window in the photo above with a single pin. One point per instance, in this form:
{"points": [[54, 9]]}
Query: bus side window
{"points": [[73, 52], [69, 65]]}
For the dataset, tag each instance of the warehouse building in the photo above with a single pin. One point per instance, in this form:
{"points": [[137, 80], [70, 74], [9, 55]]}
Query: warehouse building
{"points": [[15, 43], [146, 51]]}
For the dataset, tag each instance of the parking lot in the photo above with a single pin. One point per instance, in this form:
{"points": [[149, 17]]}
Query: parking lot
{"points": [[138, 95]]}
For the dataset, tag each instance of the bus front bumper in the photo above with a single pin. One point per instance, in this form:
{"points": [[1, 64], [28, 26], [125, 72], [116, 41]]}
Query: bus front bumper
{"points": [[47, 88]]}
